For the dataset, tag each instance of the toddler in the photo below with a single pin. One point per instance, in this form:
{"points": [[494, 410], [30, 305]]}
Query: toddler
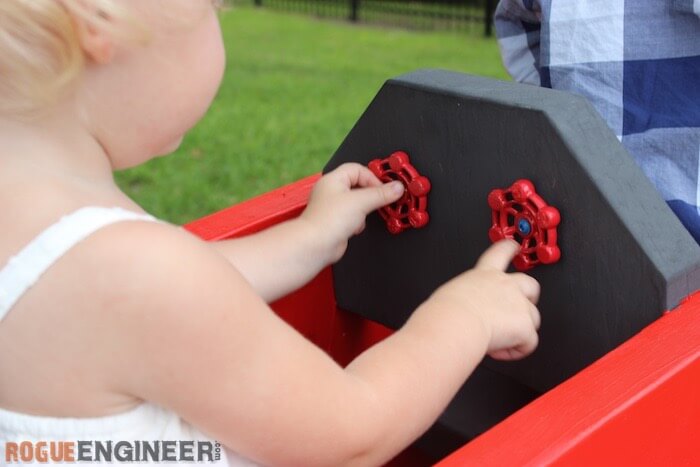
{"points": [[118, 330]]}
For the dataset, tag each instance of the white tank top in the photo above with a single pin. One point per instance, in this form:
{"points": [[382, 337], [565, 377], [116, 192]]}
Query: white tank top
{"points": [[146, 432]]}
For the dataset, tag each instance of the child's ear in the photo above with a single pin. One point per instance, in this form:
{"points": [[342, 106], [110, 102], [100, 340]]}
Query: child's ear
{"points": [[97, 43]]}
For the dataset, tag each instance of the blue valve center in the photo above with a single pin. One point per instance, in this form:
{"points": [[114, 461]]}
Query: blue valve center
{"points": [[524, 227]]}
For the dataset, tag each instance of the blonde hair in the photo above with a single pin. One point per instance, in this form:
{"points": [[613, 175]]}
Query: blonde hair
{"points": [[40, 53]]}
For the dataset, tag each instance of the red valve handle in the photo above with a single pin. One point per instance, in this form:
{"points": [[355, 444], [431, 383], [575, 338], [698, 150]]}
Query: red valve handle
{"points": [[411, 210], [519, 213]]}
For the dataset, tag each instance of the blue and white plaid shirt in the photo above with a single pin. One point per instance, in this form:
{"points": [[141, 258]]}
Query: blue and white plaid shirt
{"points": [[637, 61]]}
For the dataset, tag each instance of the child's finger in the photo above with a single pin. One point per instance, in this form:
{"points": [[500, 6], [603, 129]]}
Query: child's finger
{"points": [[528, 286], [360, 229], [528, 346], [352, 174], [523, 349], [498, 256], [372, 198], [367, 178], [535, 316]]}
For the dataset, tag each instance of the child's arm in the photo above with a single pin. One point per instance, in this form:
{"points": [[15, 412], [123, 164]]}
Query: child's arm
{"points": [[282, 258], [188, 332]]}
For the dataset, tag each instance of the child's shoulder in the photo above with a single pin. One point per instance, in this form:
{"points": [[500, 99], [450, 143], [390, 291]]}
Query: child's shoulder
{"points": [[114, 245], [117, 289], [148, 259]]}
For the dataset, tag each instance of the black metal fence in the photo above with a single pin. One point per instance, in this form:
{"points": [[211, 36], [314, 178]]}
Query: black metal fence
{"points": [[465, 15]]}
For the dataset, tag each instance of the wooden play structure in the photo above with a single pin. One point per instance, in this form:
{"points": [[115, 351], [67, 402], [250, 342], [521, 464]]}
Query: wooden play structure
{"points": [[616, 378]]}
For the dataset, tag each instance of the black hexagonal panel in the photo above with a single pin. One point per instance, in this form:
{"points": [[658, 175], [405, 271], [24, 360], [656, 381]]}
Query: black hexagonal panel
{"points": [[625, 258]]}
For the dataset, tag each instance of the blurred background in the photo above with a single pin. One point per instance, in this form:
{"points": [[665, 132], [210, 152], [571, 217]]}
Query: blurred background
{"points": [[299, 75]]}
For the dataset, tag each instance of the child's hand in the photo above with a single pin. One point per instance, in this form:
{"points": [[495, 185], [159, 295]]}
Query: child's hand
{"points": [[340, 202], [505, 303]]}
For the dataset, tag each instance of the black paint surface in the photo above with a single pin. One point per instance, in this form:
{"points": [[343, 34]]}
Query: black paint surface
{"points": [[625, 257]]}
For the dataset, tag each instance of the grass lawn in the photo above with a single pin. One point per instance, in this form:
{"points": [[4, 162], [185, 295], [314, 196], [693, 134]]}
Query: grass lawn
{"points": [[294, 87]]}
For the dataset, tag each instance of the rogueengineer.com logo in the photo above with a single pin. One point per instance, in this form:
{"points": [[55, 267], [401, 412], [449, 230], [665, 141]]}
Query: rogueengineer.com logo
{"points": [[82, 451]]}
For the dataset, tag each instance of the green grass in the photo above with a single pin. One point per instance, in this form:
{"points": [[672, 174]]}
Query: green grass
{"points": [[294, 87]]}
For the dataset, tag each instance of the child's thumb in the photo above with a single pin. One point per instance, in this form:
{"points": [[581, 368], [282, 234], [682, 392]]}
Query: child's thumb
{"points": [[373, 198]]}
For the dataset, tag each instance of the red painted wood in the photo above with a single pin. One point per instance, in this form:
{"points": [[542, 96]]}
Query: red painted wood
{"points": [[311, 310], [255, 214], [638, 405], [353, 334]]}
